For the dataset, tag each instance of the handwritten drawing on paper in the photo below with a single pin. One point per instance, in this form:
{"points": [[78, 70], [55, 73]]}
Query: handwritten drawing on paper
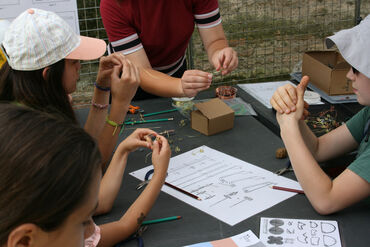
{"points": [[299, 233], [230, 189]]}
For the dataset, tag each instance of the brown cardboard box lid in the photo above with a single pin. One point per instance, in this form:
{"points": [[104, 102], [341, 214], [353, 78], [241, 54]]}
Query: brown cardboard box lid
{"points": [[213, 108]]}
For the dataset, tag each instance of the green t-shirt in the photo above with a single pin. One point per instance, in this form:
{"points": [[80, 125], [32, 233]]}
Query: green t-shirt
{"points": [[356, 125]]}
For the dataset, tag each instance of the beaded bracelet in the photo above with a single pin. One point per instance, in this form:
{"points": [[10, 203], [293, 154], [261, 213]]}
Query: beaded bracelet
{"points": [[105, 89], [114, 124], [99, 106]]}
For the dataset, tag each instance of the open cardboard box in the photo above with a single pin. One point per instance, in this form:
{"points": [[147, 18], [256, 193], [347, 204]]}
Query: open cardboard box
{"points": [[327, 71], [212, 117]]}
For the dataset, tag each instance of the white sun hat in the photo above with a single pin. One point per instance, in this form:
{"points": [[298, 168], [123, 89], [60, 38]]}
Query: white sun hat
{"points": [[38, 38], [354, 45]]}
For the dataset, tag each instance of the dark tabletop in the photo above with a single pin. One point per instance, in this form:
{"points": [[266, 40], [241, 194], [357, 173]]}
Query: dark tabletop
{"points": [[250, 141]]}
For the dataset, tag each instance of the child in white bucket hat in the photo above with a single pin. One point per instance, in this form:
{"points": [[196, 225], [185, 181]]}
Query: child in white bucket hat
{"points": [[42, 68], [306, 150]]}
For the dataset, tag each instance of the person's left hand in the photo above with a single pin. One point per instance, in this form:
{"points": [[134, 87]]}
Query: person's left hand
{"points": [[225, 60], [136, 139], [106, 65]]}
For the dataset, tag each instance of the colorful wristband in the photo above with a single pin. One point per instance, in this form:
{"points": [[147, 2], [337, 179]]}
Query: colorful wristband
{"points": [[99, 106], [113, 124], [105, 89]]}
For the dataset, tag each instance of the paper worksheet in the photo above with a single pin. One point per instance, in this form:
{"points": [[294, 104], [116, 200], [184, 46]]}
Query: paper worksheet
{"points": [[66, 9], [245, 239], [299, 233], [263, 91], [230, 189]]}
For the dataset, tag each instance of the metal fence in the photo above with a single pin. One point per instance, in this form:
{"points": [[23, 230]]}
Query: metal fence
{"points": [[270, 36]]}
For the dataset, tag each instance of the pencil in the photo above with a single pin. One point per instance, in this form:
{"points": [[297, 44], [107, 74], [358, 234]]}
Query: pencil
{"points": [[182, 191], [159, 112], [287, 189], [148, 222]]}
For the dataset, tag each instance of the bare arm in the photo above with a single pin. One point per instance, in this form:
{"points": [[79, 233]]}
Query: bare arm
{"points": [[220, 55], [124, 79], [112, 179], [326, 195], [112, 233], [158, 83]]}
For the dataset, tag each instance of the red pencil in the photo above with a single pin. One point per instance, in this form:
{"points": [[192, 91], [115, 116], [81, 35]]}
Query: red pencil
{"points": [[182, 191], [288, 189]]}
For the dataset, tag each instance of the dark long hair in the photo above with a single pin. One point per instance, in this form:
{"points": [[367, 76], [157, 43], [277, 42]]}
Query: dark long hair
{"points": [[31, 89], [47, 166]]}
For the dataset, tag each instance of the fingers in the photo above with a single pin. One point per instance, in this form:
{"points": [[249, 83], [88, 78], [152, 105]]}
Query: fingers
{"points": [[194, 81], [227, 60]]}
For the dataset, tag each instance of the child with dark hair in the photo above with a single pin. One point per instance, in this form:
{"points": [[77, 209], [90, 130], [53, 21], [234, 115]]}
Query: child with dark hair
{"points": [[50, 177], [306, 150], [43, 197], [43, 62], [42, 68]]}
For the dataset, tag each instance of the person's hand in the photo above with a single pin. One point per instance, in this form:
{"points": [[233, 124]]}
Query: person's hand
{"points": [[225, 60], [161, 156], [125, 80], [284, 99], [106, 65], [194, 81], [298, 114], [136, 139]]}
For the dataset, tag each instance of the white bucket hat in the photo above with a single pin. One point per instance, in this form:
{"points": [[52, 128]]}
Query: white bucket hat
{"points": [[354, 45], [38, 38]]}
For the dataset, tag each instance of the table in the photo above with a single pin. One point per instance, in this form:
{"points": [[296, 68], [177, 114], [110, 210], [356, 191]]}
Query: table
{"points": [[268, 117], [250, 141]]}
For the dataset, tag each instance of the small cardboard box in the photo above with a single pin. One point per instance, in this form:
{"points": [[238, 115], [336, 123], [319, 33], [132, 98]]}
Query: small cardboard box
{"points": [[212, 117], [327, 71]]}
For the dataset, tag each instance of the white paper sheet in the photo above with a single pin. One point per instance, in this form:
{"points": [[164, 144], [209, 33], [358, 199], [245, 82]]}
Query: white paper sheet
{"points": [[231, 190], [67, 9], [245, 239], [263, 91], [299, 233]]}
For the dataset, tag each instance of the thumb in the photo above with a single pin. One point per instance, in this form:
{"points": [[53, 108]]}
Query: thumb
{"points": [[301, 88]]}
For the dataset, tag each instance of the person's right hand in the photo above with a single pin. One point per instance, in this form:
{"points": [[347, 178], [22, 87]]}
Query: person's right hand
{"points": [[194, 81], [161, 156], [284, 99], [125, 80]]}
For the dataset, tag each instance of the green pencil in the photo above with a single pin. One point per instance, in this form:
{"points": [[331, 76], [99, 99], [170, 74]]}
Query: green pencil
{"points": [[159, 112], [148, 121], [148, 222]]}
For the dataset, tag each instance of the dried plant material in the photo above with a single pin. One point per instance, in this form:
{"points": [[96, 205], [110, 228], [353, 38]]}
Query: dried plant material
{"points": [[281, 153], [182, 123], [148, 139], [147, 157]]}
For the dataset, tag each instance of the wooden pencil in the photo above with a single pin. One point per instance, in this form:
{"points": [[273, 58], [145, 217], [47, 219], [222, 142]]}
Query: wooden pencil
{"points": [[182, 191]]}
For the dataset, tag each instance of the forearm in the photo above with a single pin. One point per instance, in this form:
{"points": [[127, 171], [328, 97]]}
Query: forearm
{"points": [[316, 184], [309, 138], [160, 84], [109, 135], [215, 47], [115, 232], [96, 118], [111, 182]]}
